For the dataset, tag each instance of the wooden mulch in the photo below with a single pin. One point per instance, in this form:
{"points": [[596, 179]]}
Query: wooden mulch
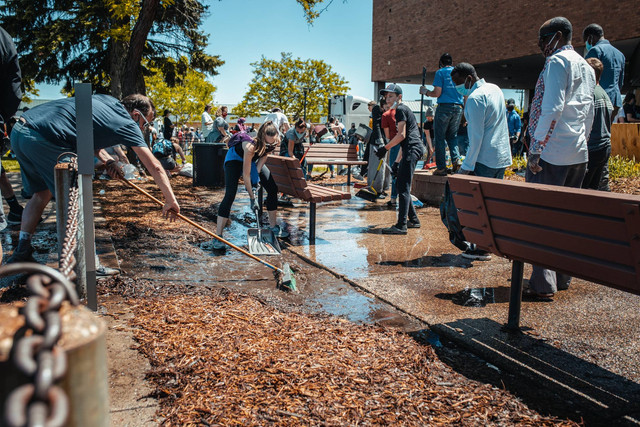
{"points": [[230, 359]]}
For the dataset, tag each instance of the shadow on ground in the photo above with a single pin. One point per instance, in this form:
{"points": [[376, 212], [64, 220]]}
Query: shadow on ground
{"points": [[548, 379]]}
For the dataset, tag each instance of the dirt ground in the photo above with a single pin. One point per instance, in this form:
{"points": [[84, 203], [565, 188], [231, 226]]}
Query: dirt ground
{"points": [[155, 256], [166, 268]]}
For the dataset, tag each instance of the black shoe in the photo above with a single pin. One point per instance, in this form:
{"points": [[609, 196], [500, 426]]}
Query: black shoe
{"points": [[14, 218], [22, 256], [476, 254], [440, 172], [413, 224], [392, 203], [394, 230]]}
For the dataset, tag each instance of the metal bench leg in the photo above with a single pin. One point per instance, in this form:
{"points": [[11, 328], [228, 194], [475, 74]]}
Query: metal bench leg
{"points": [[515, 301], [348, 176], [312, 223]]}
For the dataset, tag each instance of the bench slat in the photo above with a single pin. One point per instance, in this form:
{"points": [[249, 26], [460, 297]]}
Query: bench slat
{"points": [[603, 227], [595, 270], [616, 252]]}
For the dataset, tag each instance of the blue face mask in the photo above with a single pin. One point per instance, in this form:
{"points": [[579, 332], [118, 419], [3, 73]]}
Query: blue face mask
{"points": [[462, 90], [299, 135], [589, 46]]}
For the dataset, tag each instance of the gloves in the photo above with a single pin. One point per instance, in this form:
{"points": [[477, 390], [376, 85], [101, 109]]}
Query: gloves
{"points": [[532, 163], [423, 90], [114, 170], [394, 169], [254, 205], [381, 152]]}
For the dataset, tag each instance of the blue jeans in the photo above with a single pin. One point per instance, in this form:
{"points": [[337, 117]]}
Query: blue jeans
{"points": [[445, 124], [329, 141], [393, 153], [462, 141]]}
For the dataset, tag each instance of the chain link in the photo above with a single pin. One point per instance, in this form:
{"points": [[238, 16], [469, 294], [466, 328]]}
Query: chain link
{"points": [[35, 350]]}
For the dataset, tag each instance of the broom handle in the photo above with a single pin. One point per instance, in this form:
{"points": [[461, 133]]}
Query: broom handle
{"points": [[201, 228]]}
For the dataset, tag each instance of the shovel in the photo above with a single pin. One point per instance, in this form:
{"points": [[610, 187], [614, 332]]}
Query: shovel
{"points": [[262, 241]]}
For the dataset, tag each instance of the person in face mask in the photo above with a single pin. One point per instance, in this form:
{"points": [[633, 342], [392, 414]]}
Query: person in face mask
{"points": [[612, 62], [488, 153], [292, 144], [560, 119], [515, 125], [220, 132]]}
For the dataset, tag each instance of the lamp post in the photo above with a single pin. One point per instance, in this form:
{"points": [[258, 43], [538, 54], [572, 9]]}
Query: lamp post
{"points": [[305, 90]]}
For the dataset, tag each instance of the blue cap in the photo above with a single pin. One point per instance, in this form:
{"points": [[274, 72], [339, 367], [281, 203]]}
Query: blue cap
{"points": [[392, 87]]}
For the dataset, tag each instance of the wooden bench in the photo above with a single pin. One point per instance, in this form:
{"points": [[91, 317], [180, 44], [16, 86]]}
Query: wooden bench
{"points": [[287, 173], [334, 154], [588, 234]]}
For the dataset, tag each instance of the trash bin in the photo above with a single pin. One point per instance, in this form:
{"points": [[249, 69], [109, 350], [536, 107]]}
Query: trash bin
{"points": [[208, 164]]}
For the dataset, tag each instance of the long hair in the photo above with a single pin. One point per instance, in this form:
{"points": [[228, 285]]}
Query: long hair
{"points": [[262, 146], [219, 111]]}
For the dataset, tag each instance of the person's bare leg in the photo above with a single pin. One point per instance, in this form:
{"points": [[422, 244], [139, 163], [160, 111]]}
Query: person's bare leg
{"points": [[220, 223], [272, 218], [5, 186]]}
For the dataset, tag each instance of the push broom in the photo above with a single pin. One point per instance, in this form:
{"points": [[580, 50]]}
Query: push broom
{"points": [[287, 279]]}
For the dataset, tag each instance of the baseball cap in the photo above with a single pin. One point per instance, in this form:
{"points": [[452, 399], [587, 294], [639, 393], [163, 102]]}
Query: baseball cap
{"points": [[392, 87], [511, 101]]}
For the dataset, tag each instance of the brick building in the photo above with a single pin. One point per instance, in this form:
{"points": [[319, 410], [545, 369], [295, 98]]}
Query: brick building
{"points": [[499, 38]]}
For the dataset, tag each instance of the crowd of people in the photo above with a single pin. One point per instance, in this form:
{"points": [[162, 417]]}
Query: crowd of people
{"points": [[473, 130]]}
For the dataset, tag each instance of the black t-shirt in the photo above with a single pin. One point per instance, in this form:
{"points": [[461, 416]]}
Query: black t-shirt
{"points": [[412, 139], [167, 132], [428, 126], [630, 109]]}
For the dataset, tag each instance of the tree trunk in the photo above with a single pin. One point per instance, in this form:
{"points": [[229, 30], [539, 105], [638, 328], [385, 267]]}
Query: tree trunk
{"points": [[117, 56], [132, 79]]}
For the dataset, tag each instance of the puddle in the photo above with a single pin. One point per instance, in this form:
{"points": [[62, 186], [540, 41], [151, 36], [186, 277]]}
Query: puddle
{"points": [[478, 297]]}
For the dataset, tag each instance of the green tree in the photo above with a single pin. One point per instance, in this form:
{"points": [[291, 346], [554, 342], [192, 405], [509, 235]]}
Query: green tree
{"points": [[280, 83], [104, 42], [186, 99]]}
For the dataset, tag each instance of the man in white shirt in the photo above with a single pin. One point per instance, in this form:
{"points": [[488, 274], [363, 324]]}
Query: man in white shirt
{"points": [[560, 119], [279, 119], [207, 122], [489, 152]]}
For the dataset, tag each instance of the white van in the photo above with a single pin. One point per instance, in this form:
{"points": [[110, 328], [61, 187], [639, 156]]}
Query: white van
{"points": [[350, 109]]}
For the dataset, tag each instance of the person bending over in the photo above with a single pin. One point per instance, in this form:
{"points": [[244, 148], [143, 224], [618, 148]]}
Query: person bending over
{"points": [[247, 160]]}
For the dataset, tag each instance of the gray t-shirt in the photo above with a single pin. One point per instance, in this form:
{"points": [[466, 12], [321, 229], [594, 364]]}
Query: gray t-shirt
{"points": [[219, 122], [600, 136], [112, 124]]}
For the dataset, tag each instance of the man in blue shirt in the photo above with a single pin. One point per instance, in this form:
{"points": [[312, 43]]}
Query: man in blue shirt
{"points": [[49, 130], [612, 61], [515, 125], [448, 115]]}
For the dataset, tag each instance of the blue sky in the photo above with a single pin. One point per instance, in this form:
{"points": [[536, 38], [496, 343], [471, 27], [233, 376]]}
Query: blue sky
{"points": [[241, 31]]}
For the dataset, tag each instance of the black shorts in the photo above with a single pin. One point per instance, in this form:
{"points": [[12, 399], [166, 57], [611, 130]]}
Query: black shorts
{"points": [[168, 163]]}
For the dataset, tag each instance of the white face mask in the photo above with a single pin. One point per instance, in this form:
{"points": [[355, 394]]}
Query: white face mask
{"points": [[548, 50]]}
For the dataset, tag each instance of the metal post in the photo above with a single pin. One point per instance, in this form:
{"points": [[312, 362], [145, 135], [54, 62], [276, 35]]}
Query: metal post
{"points": [[348, 176], [305, 104], [86, 237], [515, 300], [312, 223]]}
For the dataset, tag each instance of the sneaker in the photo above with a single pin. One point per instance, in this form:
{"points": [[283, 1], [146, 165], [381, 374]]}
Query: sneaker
{"points": [[24, 256], [217, 245], [413, 224], [440, 172], [278, 232], [102, 271], [456, 167], [3, 222], [357, 176], [476, 254], [392, 203], [394, 230], [14, 218]]}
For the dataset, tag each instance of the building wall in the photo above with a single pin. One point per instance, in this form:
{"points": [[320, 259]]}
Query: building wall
{"points": [[410, 34]]}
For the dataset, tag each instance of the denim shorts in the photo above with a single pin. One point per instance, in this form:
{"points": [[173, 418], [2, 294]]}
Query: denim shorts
{"points": [[37, 158]]}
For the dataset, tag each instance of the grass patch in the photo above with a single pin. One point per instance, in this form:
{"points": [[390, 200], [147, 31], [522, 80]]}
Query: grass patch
{"points": [[10, 165], [619, 167]]}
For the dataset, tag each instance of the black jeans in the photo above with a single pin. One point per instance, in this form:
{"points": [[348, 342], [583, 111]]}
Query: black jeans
{"points": [[403, 184], [595, 168], [232, 173]]}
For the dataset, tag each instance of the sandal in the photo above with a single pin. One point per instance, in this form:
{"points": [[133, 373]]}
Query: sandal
{"points": [[530, 294]]}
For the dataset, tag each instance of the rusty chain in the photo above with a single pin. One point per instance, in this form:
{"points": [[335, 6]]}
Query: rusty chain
{"points": [[35, 351]]}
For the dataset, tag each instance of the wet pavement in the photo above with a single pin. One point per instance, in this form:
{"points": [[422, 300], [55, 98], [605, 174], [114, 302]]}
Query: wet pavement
{"points": [[584, 347]]}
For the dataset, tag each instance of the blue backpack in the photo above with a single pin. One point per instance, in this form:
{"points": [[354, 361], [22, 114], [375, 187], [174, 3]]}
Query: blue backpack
{"points": [[162, 148]]}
